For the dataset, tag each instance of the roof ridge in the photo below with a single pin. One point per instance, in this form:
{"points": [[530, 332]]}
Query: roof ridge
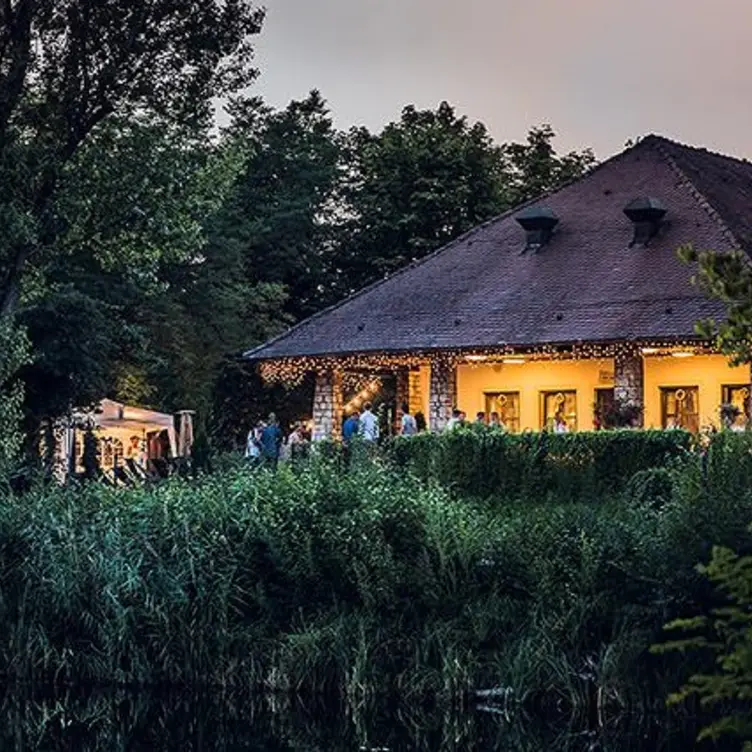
{"points": [[249, 354], [687, 182], [699, 149]]}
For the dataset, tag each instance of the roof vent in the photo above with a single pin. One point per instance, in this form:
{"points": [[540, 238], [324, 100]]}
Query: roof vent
{"points": [[646, 214], [538, 222]]}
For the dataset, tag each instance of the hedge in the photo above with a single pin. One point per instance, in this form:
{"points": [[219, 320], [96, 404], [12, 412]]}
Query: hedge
{"points": [[481, 462]]}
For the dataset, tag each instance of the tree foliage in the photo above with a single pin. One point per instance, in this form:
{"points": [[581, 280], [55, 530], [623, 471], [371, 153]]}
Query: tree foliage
{"points": [[728, 278], [727, 634], [431, 176], [66, 66], [14, 350]]}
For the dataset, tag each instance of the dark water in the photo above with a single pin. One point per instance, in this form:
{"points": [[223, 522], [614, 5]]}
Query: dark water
{"points": [[141, 721]]}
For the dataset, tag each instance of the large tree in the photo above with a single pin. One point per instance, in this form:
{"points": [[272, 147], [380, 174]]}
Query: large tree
{"points": [[280, 222], [132, 203], [66, 66], [431, 176]]}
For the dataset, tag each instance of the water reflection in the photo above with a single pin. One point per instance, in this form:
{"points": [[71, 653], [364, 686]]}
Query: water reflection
{"points": [[115, 721]]}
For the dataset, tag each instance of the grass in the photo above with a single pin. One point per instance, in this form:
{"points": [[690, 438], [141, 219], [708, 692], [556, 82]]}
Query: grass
{"points": [[322, 582]]}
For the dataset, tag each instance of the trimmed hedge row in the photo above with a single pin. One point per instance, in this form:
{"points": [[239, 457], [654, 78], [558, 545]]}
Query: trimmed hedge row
{"points": [[577, 466]]}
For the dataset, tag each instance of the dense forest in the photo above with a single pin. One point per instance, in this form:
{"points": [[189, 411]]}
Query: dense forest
{"points": [[145, 246]]}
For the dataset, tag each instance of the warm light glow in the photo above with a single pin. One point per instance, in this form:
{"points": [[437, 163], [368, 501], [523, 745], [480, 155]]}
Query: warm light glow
{"points": [[292, 370], [682, 354]]}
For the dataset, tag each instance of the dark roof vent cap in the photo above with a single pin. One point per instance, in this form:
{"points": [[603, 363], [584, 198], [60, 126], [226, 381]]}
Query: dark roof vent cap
{"points": [[538, 222], [646, 214]]}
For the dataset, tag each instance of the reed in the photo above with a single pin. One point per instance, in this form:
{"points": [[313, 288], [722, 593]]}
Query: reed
{"points": [[317, 580]]}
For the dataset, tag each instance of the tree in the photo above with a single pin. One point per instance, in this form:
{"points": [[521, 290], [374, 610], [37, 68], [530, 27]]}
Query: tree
{"points": [[537, 169], [727, 635], [727, 277], [66, 66], [280, 221], [14, 347], [430, 177], [133, 201]]}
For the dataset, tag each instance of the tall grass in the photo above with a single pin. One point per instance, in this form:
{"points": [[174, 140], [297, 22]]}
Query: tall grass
{"points": [[351, 583]]}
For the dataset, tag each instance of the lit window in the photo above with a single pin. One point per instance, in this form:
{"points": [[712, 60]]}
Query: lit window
{"points": [[738, 396], [680, 407], [507, 406], [559, 411]]}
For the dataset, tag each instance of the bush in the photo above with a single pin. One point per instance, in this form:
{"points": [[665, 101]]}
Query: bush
{"points": [[654, 486], [318, 579], [560, 467]]}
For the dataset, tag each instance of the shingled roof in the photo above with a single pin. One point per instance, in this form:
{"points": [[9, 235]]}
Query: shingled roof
{"points": [[586, 285]]}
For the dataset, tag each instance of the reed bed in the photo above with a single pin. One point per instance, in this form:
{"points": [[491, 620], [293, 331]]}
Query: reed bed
{"points": [[349, 583]]}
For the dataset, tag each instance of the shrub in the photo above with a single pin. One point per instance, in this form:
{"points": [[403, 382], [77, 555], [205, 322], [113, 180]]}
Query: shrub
{"points": [[654, 486], [561, 467]]}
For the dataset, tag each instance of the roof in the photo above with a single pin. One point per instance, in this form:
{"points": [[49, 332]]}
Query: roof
{"points": [[587, 284]]}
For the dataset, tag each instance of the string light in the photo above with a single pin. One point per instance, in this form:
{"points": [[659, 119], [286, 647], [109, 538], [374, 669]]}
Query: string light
{"points": [[355, 366]]}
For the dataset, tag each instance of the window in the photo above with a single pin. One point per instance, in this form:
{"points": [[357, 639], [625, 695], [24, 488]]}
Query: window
{"points": [[562, 404], [738, 396], [603, 416], [680, 407], [507, 405]]}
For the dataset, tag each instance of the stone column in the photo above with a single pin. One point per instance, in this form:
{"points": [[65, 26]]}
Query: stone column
{"points": [[629, 382], [327, 406], [443, 394], [402, 394]]}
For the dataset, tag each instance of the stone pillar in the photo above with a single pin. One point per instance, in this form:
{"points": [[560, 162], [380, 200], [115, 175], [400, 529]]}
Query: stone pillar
{"points": [[629, 383], [402, 394], [327, 406], [443, 394]]}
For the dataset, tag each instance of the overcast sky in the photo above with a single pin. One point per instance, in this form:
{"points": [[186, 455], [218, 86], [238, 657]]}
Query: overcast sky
{"points": [[600, 71]]}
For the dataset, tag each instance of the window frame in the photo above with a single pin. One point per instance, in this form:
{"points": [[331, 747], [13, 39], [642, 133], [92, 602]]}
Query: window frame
{"points": [[543, 394], [665, 391], [488, 395]]}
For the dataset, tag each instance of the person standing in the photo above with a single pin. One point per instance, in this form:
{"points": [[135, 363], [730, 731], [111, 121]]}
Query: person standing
{"points": [[297, 444], [350, 428], [253, 443], [480, 418], [454, 421], [408, 425], [368, 428], [271, 441]]}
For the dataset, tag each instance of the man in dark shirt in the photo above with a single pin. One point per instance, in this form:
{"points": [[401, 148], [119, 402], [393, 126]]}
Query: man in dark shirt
{"points": [[350, 428], [271, 441]]}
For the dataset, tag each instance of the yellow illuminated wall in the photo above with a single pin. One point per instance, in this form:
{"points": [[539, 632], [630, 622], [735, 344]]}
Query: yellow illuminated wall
{"points": [[707, 372], [530, 379]]}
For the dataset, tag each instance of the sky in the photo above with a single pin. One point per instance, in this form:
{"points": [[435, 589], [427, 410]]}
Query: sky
{"points": [[599, 71]]}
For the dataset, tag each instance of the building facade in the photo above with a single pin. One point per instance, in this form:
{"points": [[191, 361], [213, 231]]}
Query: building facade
{"points": [[574, 308]]}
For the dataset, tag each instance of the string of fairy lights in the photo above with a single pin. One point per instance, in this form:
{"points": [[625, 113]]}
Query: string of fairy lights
{"points": [[359, 369]]}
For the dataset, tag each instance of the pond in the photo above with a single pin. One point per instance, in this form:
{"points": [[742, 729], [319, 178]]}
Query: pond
{"points": [[119, 721]]}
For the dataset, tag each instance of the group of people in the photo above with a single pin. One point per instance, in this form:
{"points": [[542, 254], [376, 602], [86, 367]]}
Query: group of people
{"points": [[266, 443], [459, 418]]}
